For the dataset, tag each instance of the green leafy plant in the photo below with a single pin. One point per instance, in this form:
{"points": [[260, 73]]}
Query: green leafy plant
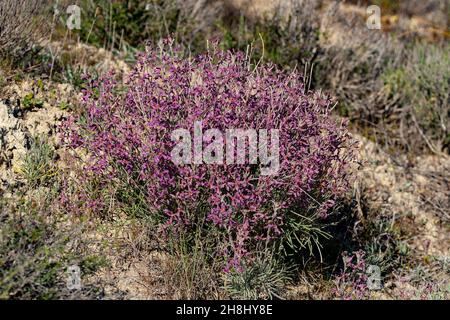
{"points": [[29, 102]]}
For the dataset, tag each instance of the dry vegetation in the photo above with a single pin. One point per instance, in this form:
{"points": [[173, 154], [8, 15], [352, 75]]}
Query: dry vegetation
{"points": [[392, 85]]}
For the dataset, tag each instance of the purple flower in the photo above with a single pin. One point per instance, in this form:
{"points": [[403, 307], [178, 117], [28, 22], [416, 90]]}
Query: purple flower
{"points": [[126, 131]]}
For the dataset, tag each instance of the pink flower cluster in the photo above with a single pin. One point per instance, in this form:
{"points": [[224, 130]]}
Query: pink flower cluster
{"points": [[352, 282], [126, 130]]}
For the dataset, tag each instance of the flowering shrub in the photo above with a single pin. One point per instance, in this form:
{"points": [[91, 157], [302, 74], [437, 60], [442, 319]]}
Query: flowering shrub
{"points": [[126, 130]]}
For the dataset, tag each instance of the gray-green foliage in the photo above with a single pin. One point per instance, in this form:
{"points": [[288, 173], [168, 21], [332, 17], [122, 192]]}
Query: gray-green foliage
{"points": [[35, 250], [18, 26], [38, 164], [264, 278], [421, 87], [119, 24]]}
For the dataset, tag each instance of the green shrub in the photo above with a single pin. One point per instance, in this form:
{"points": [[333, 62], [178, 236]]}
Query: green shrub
{"points": [[38, 166], [119, 24], [20, 22], [421, 90], [264, 278], [286, 39], [393, 90], [35, 250]]}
